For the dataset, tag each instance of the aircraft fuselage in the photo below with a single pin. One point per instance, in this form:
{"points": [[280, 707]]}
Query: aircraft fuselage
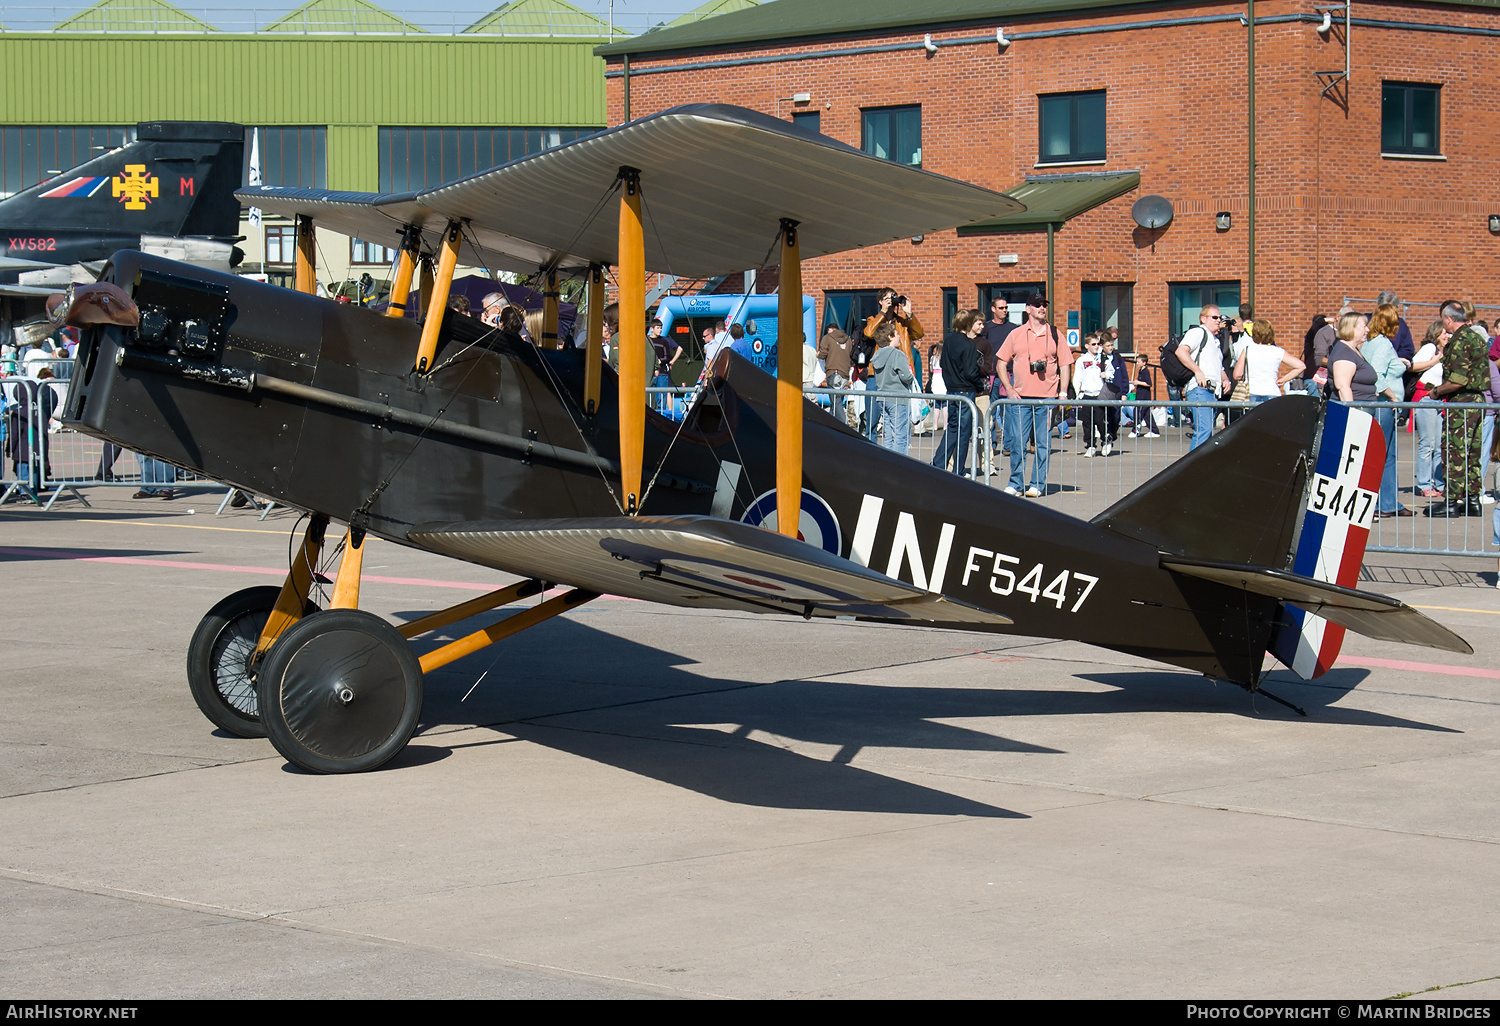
{"points": [[313, 403]]}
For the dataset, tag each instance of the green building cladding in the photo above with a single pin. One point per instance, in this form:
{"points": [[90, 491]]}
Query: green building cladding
{"points": [[326, 83]]}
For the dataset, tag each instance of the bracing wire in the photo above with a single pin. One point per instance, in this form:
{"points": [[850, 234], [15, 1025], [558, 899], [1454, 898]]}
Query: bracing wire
{"points": [[547, 367]]}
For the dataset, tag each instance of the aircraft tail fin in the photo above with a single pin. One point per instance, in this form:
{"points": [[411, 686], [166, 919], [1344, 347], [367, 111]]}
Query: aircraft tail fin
{"points": [[1340, 509], [177, 179], [1271, 499], [1236, 499]]}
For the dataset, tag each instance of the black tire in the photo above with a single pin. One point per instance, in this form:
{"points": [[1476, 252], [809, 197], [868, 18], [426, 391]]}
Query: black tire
{"points": [[340, 692], [218, 660]]}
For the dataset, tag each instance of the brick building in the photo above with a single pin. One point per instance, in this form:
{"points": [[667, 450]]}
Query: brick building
{"points": [[1382, 178]]}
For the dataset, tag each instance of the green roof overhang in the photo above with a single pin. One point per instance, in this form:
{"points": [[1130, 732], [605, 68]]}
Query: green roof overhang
{"points": [[1056, 199]]}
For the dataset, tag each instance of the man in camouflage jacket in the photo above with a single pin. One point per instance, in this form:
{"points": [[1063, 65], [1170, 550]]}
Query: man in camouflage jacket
{"points": [[1466, 377]]}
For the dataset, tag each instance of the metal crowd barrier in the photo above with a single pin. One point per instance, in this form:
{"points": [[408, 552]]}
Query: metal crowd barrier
{"points": [[1085, 487], [1149, 435], [19, 472], [1146, 437], [62, 461], [927, 430]]}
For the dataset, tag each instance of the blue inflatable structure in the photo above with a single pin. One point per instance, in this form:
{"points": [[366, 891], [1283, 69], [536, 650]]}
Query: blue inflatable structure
{"points": [[760, 344]]}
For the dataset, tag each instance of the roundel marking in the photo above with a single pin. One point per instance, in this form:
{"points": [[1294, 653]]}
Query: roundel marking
{"points": [[817, 525]]}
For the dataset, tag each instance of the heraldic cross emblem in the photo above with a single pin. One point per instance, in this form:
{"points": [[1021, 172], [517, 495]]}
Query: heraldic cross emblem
{"points": [[135, 188]]}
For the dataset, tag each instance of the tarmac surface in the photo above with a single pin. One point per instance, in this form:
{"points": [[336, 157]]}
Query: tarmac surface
{"points": [[636, 801]]}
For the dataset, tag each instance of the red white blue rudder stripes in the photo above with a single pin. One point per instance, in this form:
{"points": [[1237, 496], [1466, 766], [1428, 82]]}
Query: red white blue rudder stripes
{"points": [[1341, 506]]}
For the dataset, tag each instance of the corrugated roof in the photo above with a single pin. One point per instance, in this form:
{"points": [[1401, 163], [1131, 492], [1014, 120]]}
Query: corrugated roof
{"points": [[1055, 199], [801, 19], [341, 16], [541, 18], [712, 9], [133, 16], [794, 19]]}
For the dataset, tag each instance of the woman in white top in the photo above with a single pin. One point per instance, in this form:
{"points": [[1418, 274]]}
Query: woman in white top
{"points": [[1267, 365]]}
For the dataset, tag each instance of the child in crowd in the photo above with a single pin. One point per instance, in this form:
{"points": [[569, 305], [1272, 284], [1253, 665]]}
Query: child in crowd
{"points": [[1089, 379]]}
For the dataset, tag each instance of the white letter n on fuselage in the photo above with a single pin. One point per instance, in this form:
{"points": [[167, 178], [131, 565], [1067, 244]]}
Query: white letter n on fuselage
{"points": [[904, 546]]}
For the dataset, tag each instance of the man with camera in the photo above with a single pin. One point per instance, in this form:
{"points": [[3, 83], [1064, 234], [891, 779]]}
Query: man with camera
{"points": [[894, 310], [1040, 365]]}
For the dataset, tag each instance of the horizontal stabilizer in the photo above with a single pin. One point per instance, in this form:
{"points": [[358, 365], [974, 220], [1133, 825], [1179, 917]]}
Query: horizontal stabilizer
{"points": [[694, 561], [1374, 616]]}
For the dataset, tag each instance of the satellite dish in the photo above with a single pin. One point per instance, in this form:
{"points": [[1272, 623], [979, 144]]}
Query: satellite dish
{"points": [[1152, 211]]}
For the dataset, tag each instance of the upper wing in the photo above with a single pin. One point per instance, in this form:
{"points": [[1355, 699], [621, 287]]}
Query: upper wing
{"points": [[1375, 616], [379, 218], [716, 181], [694, 561]]}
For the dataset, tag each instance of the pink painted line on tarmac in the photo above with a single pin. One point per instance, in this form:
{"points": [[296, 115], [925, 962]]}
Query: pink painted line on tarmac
{"points": [[1402, 664], [228, 568]]}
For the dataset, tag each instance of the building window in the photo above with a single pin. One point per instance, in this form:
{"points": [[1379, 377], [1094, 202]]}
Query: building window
{"points": [[292, 157], [1409, 118], [362, 252], [34, 153], [1071, 127], [1189, 298], [412, 159], [281, 244], [1106, 305], [950, 308], [848, 309], [809, 121], [892, 133]]}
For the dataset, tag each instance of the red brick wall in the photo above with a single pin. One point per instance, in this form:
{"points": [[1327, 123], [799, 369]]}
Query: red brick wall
{"points": [[1334, 218]]}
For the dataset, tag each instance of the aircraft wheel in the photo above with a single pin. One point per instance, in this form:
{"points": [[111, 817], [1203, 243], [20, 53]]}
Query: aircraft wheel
{"points": [[218, 661], [340, 692]]}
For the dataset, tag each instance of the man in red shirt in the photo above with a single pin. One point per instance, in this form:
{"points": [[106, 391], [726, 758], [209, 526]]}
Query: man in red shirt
{"points": [[1035, 364]]}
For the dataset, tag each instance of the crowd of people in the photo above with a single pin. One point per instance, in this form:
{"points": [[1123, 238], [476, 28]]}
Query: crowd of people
{"points": [[1227, 357], [1352, 355], [44, 367]]}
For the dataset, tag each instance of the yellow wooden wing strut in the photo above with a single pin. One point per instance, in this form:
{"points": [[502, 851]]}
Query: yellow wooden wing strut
{"points": [[306, 277], [294, 590], [789, 400], [593, 360], [549, 311], [511, 625], [631, 338], [346, 585], [406, 265], [424, 295], [432, 324]]}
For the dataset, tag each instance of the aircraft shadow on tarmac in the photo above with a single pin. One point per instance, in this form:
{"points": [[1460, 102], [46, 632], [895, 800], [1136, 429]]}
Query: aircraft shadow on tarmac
{"points": [[20, 509], [1168, 690], [575, 689], [36, 553]]}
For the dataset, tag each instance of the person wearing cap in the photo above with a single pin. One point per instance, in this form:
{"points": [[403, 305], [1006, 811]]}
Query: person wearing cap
{"points": [[1040, 366]]}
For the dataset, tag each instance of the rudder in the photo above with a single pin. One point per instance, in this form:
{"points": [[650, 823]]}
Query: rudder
{"points": [[1341, 506]]}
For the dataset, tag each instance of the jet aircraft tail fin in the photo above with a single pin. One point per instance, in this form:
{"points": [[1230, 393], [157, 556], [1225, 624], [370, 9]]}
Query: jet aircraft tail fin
{"points": [[176, 179]]}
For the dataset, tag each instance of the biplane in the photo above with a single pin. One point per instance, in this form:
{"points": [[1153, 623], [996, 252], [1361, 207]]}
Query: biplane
{"points": [[540, 461]]}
